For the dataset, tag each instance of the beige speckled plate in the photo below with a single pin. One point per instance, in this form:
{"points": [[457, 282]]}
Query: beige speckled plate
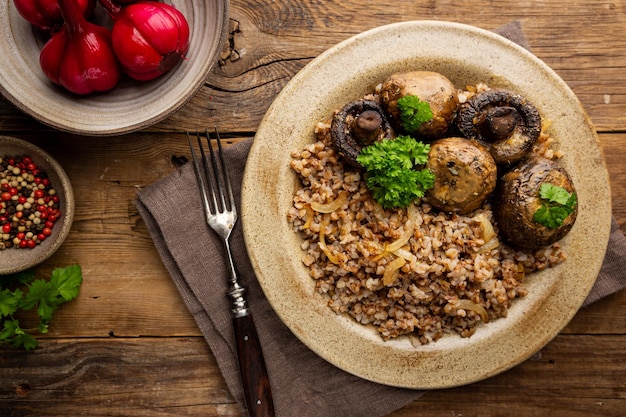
{"points": [[345, 72], [131, 105]]}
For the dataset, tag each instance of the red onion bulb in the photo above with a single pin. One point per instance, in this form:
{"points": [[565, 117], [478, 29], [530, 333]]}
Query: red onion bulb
{"points": [[149, 39], [46, 14], [79, 56]]}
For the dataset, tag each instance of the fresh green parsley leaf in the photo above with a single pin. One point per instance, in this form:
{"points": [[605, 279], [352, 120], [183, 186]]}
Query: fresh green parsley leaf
{"points": [[10, 329], [67, 281], [553, 193], [25, 341], [392, 171], [9, 301], [413, 112], [557, 205], [12, 334], [44, 295]]}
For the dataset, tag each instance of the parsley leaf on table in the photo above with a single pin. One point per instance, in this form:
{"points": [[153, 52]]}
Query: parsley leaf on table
{"points": [[45, 295], [9, 301], [67, 281], [391, 171]]}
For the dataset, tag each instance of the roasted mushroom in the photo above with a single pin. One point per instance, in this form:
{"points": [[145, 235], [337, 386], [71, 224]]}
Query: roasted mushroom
{"points": [[465, 175], [503, 121], [428, 86], [517, 199], [358, 124]]}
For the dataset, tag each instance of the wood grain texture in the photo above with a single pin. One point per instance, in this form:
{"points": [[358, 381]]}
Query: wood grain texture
{"points": [[178, 376], [128, 347], [582, 41]]}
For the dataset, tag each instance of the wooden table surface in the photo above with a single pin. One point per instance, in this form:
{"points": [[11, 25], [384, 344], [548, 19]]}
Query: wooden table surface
{"points": [[127, 345]]}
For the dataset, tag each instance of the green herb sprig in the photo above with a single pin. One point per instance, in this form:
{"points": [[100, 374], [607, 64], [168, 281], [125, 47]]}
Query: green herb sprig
{"points": [[413, 113], [392, 171], [22, 292], [557, 205]]}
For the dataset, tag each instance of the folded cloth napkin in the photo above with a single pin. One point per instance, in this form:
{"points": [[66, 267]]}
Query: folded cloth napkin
{"points": [[303, 384]]}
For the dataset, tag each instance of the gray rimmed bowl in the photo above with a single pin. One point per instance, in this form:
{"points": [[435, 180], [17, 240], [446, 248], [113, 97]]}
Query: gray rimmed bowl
{"points": [[14, 260], [131, 105]]}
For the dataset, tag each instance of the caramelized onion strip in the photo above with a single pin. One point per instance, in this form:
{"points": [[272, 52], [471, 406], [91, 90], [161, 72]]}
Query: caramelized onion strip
{"points": [[331, 206]]}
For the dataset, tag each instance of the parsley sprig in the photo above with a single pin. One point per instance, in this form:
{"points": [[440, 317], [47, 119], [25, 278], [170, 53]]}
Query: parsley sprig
{"points": [[413, 113], [22, 292], [557, 205], [392, 171]]}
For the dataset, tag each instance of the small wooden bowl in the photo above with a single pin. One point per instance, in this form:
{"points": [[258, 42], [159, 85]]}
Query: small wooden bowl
{"points": [[14, 260], [132, 105]]}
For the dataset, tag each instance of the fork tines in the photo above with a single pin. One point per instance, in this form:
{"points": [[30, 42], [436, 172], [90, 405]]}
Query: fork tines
{"points": [[213, 180]]}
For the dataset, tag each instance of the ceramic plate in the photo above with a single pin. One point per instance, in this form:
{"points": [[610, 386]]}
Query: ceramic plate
{"points": [[131, 105], [346, 72]]}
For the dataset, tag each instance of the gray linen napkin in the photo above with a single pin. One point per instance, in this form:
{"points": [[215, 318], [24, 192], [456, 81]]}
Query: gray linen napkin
{"points": [[303, 384]]}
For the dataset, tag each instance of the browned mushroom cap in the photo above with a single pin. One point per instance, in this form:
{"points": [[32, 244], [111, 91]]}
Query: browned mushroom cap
{"points": [[358, 124], [431, 87], [517, 199], [501, 120], [465, 175]]}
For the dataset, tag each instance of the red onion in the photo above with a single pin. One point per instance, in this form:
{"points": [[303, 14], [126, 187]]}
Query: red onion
{"points": [[46, 14], [149, 38], [79, 56]]}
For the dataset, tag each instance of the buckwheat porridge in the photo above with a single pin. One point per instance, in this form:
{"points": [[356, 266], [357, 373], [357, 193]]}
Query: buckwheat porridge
{"points": [[437, 265]]}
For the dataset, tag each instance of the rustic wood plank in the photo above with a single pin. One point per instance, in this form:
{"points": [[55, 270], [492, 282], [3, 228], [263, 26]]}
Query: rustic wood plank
{"points": [[165, 377], [273, 41], [179, 376]]}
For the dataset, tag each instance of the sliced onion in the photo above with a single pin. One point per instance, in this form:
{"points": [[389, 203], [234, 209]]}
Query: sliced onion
{"points": [[490, 245], [412, 212], [476, 308], [331, 205], [488, 231], [308, 218], [322, 244], [380, 256], [390, 270], [405, 254], [409, 229]]}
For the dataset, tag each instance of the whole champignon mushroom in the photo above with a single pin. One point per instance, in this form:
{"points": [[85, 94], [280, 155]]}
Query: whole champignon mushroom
{"points": [[465, 175], [503, 121], [431, 87], [358, 124], [517, 199]]}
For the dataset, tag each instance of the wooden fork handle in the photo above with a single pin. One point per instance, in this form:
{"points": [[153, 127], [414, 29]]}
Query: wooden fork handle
{"points": [[256, 384]]}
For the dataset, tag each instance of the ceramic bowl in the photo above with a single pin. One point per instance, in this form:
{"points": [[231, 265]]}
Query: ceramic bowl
{"points": [[14, 260], [349, 70], [131, 105]]}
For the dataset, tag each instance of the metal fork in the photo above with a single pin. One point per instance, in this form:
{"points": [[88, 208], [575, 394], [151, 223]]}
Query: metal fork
{"points": [[221, 216]]}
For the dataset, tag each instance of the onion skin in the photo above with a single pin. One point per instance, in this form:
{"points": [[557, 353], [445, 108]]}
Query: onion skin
{"points": [[149, 39], [79, 56], [46, 14]]}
